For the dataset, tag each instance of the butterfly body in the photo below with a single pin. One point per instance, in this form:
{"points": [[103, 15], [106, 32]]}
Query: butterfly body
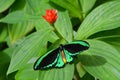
{"points": [[61, 55]]}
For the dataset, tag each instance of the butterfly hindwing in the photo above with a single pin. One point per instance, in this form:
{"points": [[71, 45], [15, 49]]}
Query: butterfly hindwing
{"points": [[47, 60], [69, 58], [76, 47], [60, 62]]}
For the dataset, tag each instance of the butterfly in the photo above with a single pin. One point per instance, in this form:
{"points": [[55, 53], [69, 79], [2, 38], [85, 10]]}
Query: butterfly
{"points": [[58, 57]]}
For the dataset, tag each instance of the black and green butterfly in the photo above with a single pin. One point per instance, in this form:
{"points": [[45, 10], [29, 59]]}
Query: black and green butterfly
{"points": [[60, 56]]}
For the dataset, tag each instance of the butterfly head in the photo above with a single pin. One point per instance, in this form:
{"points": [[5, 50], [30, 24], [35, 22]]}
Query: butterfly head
{"points": [[61, 47]]}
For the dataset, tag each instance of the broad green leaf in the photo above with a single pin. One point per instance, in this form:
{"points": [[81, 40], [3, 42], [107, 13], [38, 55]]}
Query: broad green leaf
{"points": [[106, 33], [110, 36], [39, 6], [42, 24], [3, 32], [104, 17], [9, 51], [34, 4], [53, 37], [86, 6], [101, 60], [5, 4], [4, 58], [18, 5], [19, 30], [65, 73], [28, 48], [26, 73], [44, 5], [75, 3], [3, 70], [17, 16], [115, 44], [99, 2], [28, 14], [14, 17], [64, 26], [4, 61], [69, 6], [114, 40]]}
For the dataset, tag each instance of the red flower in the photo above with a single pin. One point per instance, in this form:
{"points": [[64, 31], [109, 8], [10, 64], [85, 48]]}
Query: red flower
{"points": [[51, 16]]}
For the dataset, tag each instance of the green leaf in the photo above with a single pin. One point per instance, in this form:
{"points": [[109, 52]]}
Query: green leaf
{"points": [[28, 48], [3, 69], [34, 4], [53, 37], [70, 6], [106, 33], [4, 63], [4, 58], [65, 73], [41, 23], [44, 5], [19, 30], [5, 4], [115, 44], [17, 5], [110, 36], [26, 73], [101, 60], [16, 17], [39, 6], [86, 6], [75, 3], [9, 51], [64, 26], [114, 40], [3, 32], [104, 17]]}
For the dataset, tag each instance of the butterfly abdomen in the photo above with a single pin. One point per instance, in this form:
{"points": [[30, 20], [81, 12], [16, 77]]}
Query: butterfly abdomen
{"points": [[63, 57]]}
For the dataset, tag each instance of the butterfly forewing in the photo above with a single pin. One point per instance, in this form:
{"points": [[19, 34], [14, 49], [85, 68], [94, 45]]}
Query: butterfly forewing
{"points": [[76, 47], [48, 60]]}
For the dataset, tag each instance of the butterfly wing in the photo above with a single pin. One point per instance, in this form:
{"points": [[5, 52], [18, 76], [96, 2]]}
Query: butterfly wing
{"points": [[69, 58], [48, 60], [60, 62], [76, 47]]}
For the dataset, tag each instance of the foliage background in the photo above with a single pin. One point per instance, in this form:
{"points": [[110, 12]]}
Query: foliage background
{"points": [[23, 38]]}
